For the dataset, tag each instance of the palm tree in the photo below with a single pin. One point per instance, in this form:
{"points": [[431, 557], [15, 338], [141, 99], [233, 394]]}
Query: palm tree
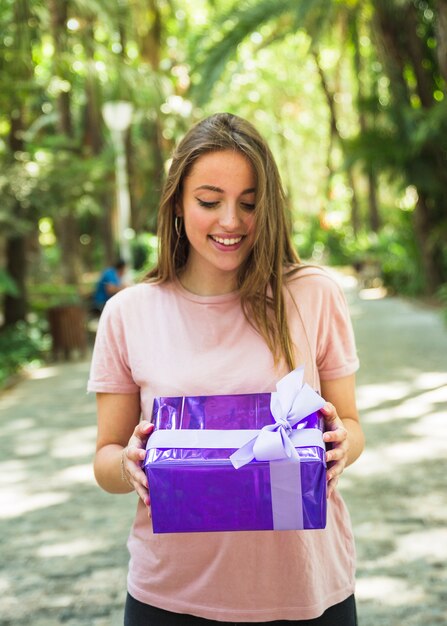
{"points": [[16, 71], [318, 19], [403, 33], [238, 23]]}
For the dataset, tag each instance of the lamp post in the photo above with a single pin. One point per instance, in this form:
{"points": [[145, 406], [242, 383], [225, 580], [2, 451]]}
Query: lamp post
{"points": [[117, 117]]}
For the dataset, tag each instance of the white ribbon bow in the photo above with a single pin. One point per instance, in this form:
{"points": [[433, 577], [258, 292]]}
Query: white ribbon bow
{"points": [[292, 401]]}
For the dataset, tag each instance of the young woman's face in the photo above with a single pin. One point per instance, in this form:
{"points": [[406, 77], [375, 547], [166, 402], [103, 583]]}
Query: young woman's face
{"points": [[218, 209]]}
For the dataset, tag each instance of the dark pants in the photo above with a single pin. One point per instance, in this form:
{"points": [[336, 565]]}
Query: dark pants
{"points": [[139, 614]]}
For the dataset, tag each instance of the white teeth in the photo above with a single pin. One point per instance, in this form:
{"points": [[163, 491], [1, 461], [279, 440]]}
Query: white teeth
{"points": [[227, 242]]}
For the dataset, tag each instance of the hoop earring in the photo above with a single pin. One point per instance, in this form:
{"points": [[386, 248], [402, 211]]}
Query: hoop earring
{"points": [[178, 225]]}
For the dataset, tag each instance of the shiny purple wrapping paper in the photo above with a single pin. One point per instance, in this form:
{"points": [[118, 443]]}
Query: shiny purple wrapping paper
{"points": [[199, 490]]}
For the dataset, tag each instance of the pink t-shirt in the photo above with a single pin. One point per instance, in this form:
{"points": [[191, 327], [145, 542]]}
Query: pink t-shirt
{"points": [[161, 340]]}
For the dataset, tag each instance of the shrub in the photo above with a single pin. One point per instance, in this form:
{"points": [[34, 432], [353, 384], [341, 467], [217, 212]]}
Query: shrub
{"points": [[21, 345]]}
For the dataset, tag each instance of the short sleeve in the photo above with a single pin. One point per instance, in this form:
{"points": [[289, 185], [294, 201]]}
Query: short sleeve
{"points": [[336, 349], [110, 371]]}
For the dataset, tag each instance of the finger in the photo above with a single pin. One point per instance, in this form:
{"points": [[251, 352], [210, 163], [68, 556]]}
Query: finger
{"points": [[332, 478], [144, 495], [142, 432], [132, 460], [338, 435], [331, 487], [142, 489], [139, 439], [146, 427], [331, 418], [329, 411], [136, 454], [136, 458], [336, 454], [137, 474], [334, 471]]}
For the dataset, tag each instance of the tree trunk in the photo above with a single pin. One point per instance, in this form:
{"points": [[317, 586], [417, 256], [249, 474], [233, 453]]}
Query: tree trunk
{"points": [[424, 81], [423, 227], [401, 49], [66, 228], [58, 17], [15, 307], [150, 45], [93, 119], [66, 225], [441, 31], [387, 31], [334, 135], [107, 232], [151, 31], [148, 217], [355, 206], [373, 205], [93, 139], [333, 132]]}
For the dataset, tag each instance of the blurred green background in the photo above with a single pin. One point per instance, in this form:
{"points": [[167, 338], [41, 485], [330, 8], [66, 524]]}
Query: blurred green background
{"points": [[351, 96]]}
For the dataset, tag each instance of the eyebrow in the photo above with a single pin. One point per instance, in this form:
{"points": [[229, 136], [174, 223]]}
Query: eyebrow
{"points": [[219, 190]]}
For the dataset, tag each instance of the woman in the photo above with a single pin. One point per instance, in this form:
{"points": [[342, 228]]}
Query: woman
{"points": [[228, 309]]}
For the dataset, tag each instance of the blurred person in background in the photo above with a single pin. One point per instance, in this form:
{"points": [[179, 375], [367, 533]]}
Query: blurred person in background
{"points": [[109, 283]]}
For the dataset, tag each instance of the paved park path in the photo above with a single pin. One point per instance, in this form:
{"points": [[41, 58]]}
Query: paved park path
{"points": [[62, 541]]}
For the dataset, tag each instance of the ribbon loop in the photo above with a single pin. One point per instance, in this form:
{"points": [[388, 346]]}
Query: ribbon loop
{"points": [[273, 444], [292, 401]]}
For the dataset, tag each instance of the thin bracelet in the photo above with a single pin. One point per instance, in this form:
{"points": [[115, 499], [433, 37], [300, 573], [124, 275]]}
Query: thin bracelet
{"points": [[123, 473]]}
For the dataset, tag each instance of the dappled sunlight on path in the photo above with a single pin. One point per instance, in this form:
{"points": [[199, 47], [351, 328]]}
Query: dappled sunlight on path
{"points": [[62, 539], [396, 491]]}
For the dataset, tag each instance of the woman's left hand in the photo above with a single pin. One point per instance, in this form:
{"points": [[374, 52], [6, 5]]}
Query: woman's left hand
{"points": [[337, 456]]}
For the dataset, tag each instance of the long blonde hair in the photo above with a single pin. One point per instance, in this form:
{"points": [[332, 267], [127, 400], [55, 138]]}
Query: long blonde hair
{"points": [[260, 278]]}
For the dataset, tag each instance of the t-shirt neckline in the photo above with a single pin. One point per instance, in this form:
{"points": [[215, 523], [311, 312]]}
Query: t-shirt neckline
{"points": [[193, 297]]}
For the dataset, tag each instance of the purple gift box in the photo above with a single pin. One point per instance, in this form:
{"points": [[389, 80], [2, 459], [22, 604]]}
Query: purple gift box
{"points": [[234, 462]]}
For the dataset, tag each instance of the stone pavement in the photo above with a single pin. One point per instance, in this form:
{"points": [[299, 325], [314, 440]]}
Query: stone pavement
{"points": [[63, 557]]}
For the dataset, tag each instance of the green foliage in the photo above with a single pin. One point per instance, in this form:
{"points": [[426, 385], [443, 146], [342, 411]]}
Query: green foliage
{"points": [[233, 26], [46, 295], [7, 284], [392, 253], [69, 182], [145, 252], [321, 245], [396, 251], [277, 63], [21, 345], [17, 184], [403, 149]]}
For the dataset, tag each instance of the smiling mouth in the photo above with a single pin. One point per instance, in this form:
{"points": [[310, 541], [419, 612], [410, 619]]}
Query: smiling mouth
{"points": [[230, 241]]}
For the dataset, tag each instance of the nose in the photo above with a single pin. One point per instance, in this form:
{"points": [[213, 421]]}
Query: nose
{"points": [[229, 217]]}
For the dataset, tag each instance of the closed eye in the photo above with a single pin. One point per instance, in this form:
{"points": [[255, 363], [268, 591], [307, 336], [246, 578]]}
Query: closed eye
{"points": [[247, 206], [207, 205]]}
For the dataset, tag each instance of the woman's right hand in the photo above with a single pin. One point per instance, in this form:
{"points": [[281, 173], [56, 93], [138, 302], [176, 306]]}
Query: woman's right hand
{"points": [[132, 458]]}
